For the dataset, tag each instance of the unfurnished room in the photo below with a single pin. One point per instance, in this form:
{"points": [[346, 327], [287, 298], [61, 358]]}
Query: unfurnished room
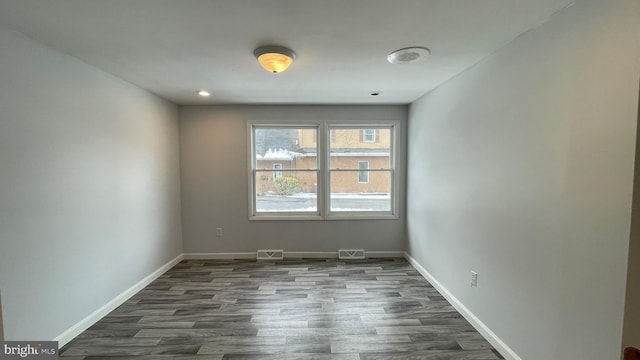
{"points": [[319, 180]]}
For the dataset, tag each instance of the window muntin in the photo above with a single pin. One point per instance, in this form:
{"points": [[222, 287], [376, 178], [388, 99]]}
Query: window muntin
{"points": [[327, 171]]}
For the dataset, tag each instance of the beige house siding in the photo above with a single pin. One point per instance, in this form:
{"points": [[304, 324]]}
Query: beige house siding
{"points": [[265, 180], [355, 139], [341, 182], [342, 142], [346, 138], [348, 182]]}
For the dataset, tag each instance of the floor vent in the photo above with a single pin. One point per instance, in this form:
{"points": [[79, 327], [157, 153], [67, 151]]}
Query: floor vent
{"points": [[270, 254], [350, 253]]}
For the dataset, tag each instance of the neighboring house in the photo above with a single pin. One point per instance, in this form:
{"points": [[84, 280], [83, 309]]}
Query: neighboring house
{"points": [[353, 151]]}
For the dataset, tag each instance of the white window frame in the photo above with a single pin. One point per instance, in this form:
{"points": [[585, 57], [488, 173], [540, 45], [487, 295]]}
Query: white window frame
{"points": [[285, 215], [323, 174], [363, 171]]}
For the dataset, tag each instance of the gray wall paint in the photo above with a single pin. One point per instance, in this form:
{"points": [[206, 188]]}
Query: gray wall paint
{"points": [[89, 188], [521, 168], [214, 163], [1, 321], [631, 329]]}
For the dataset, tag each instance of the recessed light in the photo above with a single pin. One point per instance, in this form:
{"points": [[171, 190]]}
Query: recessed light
{"points": [[375, 93], [408, 55], [203, 93]]}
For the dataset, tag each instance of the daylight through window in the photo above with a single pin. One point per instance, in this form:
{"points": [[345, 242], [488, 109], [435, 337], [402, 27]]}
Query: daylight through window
{"points": [[322, 171]]}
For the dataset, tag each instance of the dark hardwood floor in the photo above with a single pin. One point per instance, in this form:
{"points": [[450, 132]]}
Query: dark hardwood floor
{"points": [[307, 309]]}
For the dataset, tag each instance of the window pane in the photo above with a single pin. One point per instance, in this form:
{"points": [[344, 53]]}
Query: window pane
{"points": [[288, 173], [349, 194], [288, 148], [349, 147], [363, 176], [292, 191]]}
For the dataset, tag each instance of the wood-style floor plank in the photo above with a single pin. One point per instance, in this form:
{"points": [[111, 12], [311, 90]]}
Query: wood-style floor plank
{"points": [[304, 309]]}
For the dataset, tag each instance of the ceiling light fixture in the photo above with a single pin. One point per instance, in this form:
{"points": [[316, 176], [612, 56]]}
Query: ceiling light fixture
{"points": [[274, 58], [203, 93], [408, 55]]}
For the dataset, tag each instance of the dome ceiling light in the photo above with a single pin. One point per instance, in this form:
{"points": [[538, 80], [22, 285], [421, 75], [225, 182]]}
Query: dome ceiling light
{"points": [[408, 55], [274, 59]]}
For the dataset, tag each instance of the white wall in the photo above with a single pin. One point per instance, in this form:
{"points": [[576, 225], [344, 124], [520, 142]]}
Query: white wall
{"points": [[214, 163], [89, 187], [521, 168]]}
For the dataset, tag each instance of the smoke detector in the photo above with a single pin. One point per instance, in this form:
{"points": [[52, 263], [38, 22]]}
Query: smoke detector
{"points": [[408, 55]]}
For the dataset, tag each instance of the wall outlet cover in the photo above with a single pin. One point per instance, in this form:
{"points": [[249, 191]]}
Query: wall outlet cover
{"points": [[474, 279]]}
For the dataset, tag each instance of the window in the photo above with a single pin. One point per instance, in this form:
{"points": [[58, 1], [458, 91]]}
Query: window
{"points": [[277, 174], [369, 135], [284, 170], [325, 170], [363, 174]]}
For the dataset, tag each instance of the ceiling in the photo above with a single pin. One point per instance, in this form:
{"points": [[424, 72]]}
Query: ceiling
{"points": [[174, 47]]}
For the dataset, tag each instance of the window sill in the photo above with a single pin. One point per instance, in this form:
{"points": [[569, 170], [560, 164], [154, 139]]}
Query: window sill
{"points": [[355, 216], [280, 217], [330, 217]]}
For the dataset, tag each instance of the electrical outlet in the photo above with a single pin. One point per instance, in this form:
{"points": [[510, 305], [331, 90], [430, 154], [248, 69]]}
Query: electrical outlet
{"points": [[219, 232], [474, 279]]}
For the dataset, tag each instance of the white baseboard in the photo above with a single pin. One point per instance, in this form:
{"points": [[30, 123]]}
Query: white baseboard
{"points": [[92, 318], [483, 329], [221, 256], [385, 254], [311, 254], [288, 254], [334, 254]]}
